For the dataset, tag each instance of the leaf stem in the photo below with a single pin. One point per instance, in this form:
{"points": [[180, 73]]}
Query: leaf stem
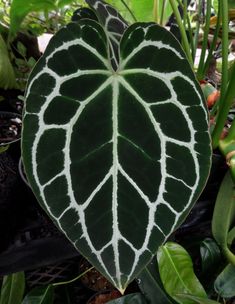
{"points": [[213, 45], [225, 93], [73, 280], [200, 75], [185, 42], [196, 35]]}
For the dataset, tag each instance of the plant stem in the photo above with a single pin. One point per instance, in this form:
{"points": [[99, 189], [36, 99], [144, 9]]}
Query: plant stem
{"points": [[129, 10], [73, 280], [229, 255], [162, 12], [197, 29], [200, 75], [155, 10], [185, 42], [213, 45], [226, 94], [224, 107]]}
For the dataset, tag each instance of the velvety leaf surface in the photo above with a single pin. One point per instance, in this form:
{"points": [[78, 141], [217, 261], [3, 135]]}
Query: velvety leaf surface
{"points": [[177, 274], [112, 154], [225, 282], [12, 289]]}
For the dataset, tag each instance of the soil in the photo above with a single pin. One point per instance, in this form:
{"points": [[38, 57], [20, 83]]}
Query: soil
{"points": [[93, 279]]}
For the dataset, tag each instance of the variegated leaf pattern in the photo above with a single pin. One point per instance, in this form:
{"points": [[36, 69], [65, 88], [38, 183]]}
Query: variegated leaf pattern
{"points": [[114, 26], [116, 158], [83, 13]]}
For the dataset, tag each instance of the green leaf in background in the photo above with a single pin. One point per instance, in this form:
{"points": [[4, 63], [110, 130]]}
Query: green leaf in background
{"points": [[182, 298], [21, 8], [224, 215], [177, 274], [143, 9], [7, 75], [150, 284], [111, 154], [210, 254], [135, 298], [225, 282], [12, 289], [40, 295]]}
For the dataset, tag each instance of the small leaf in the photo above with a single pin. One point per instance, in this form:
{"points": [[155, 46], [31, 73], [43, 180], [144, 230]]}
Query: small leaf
{"points": [[176, 272], [136, 298], [194, 300], [12, 290], [225, 282], [210, 254], [40, 295], [150, 284], [21, 49], [31, 62]]}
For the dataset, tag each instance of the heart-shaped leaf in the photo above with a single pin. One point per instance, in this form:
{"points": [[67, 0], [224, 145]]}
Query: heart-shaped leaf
{"points": [[116, 157]]}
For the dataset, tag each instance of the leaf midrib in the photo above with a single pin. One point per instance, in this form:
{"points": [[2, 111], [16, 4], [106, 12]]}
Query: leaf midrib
{"points": [[174, 267]]}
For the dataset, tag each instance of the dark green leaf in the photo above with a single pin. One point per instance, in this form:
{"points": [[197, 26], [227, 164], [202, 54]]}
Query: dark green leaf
{"points": [[224, 212], [210, 254], [83, 13], [136, 298], [12, 290], [40, 295], [109, 154], [150, 284], [114, 26], [177, 274], [194, 300], [225, 282]]}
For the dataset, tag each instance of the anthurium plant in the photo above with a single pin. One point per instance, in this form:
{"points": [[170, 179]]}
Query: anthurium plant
{"points": [[115, 142]]}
